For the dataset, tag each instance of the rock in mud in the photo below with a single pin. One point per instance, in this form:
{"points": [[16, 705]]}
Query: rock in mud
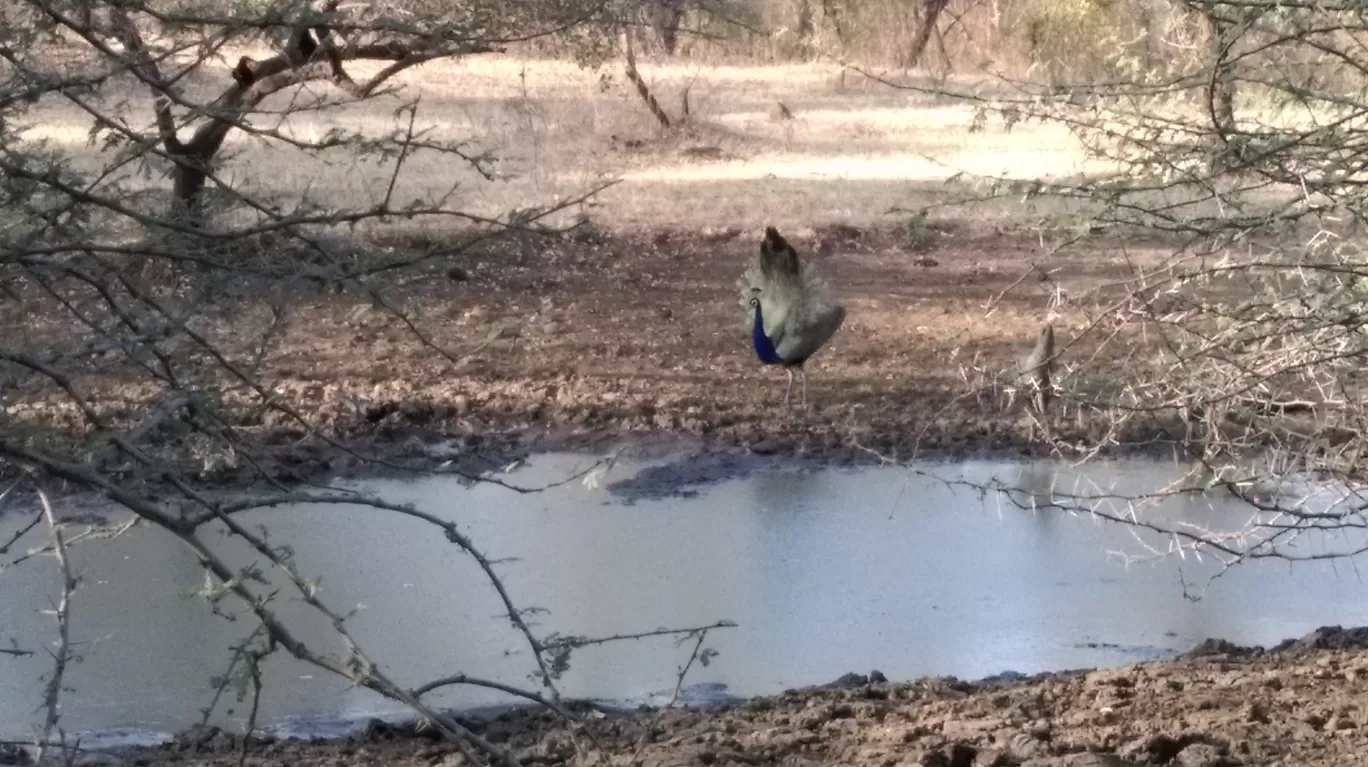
{"points": [[1211, 647], [954, 755], [1023, 746], [767, 447], [991, 757], [1256, 712], [202, 737], [1204, 755], [1080, 760], [1327, 638], [851, 679], [1164, 748], [11, 753]]}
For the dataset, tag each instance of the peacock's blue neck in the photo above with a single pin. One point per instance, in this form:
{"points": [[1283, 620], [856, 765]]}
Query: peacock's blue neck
{"points": [[764, 348]]}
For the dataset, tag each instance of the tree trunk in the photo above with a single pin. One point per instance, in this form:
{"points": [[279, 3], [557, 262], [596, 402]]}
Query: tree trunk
{"points": [[666, 17], [643, 90], [832, 12], [190, 176], [1154, 16], [1221, 86], [805, 27], [930, 15]]}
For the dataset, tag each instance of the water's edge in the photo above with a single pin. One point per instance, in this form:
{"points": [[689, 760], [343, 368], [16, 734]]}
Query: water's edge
{"points": [[690, 465], [827, 564], [702, 697]]}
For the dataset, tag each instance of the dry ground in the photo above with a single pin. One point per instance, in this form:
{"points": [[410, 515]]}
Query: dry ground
{"points": [[853, 149], [645, 333], [1222, 706], [634, 336], [635, 326]]}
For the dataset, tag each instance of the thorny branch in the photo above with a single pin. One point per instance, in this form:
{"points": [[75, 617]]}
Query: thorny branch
{"points": [[253, 667], [139, 292], [576, 642], [699, 654], [20, 533], [1231, 181], [464, 679], [61, 613], [244, 652], [1280, 521]]}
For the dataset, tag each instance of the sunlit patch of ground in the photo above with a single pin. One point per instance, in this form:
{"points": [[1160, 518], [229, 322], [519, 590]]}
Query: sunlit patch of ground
{"points": [[852, 150], [640, 331]]}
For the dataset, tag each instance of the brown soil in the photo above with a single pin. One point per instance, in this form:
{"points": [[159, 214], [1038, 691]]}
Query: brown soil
{"points": [[1220, 706], [638, 336], [642, 336]]}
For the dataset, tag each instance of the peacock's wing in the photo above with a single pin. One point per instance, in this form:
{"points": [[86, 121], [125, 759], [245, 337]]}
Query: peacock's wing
{"points": [[809, 332]]}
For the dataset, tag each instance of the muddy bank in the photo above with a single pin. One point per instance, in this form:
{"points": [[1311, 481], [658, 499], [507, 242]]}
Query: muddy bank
{"points": [[1301, 703], [592, 342]]}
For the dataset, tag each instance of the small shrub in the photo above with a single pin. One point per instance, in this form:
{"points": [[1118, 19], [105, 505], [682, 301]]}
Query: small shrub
{"points": [[915, 234]]}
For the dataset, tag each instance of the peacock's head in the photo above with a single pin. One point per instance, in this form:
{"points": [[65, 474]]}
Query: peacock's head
{"points": [[754, 301]]}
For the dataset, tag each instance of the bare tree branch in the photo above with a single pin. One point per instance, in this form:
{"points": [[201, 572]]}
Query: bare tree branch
{"points": [[61, 613]]}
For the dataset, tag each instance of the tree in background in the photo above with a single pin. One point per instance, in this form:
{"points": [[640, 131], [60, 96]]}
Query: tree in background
{"points": [[665, 18], [1239, 333], [134, 263], [152, 283]]}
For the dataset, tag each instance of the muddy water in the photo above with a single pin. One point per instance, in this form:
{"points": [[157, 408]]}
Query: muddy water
{"points": [[825, 571]]}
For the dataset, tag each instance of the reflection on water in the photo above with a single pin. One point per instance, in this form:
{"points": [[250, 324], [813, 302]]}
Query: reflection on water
{"points": [[825, 572]]}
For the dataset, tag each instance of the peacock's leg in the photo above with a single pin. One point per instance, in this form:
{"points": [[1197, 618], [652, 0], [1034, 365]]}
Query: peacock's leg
{"points": [[789, 389], [803, 372]]}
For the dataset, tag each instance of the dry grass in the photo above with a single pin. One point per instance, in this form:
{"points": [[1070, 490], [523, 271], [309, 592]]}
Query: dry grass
{"points": [[640, 329], [853, 149]]}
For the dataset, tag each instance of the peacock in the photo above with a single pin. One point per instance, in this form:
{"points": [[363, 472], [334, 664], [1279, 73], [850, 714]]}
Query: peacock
{"points": [[786, 309]]}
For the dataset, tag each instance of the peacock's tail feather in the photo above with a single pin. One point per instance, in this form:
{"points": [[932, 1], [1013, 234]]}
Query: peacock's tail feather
{"points": [[790, 302]]}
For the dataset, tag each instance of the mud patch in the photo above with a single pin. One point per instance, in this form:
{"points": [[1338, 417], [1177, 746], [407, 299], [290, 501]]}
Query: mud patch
{"points": [[629, 338], [1298, 706], [1136, 652], [686, 475], [1327, 638], [1323, 638]]}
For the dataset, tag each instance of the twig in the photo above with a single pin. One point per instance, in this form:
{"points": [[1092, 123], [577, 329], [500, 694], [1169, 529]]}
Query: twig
{"points": [[579, 642], [222, 683], [254, 677], [89, 534], [21, 533], [61, 613], [456, 679], [683, 672]]}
